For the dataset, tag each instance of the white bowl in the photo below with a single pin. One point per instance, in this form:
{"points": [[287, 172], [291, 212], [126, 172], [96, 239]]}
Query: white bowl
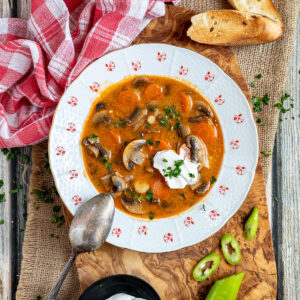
{"points": [[240, 140]]}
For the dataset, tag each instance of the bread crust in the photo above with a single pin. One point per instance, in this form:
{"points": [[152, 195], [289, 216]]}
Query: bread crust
{"points": [[233, 28], [253, 22], [262, 7]]}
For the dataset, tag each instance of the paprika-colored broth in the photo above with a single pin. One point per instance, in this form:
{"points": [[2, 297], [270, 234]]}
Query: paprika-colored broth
{"points": [[154, 113]]}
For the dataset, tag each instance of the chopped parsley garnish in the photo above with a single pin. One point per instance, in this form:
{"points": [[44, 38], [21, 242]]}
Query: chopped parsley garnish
{"points": [[259, 76], [253, 84], [151, 215], [183, 196], [169, 172], [93, 136], [117, 125], [213, 179], [276, 199], [153, 109], [266, 153], [1, 183], [108, 166], [125, 143], [150, 142], [203, 207], [157, 143], [2, 197], [15, 191], [178, 125], [257, 101], [192, 175], [131, 192], [25, 159], [149, 195], [147, 126], [163, 122], [10, 154], [97, 183], [1, 222], [104, 159], [124, 123], [279, 105], [56, 208], [165, 160]]}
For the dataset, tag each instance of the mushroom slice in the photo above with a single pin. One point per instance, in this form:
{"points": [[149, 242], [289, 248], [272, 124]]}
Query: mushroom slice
{"points": [[105, 153], [197, 119], [137, 115], [201, 187], [100, 105], [183, 130], [199, 150], [141, 81], [101, 117], [203, 107], [133, 206], [132, 154], [119, 184], [92, 151]]}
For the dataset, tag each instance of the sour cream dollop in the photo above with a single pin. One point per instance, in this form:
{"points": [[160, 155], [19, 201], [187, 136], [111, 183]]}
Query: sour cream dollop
{"points": [[166, 161], [122, 296]]}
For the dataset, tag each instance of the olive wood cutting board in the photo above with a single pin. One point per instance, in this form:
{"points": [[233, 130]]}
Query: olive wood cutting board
{"points": [[171, 273]]}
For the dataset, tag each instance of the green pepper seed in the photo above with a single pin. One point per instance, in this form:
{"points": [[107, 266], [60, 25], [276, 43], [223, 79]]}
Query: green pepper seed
{"points": [[251, 225], [234, 255], [226, 288], [206, 266]]}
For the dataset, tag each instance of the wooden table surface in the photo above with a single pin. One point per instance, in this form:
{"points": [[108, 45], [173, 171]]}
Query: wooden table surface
{"points": [[283, 184]]}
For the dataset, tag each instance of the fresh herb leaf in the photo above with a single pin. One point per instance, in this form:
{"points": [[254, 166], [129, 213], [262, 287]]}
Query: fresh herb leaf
{"points": [[256, 102], [1, 183], [25, 159], [151, 215], [1, 222], [258, 121], [93, 136], [149, 195], [54, 218], [56, 208], [213, 179], [117, 125], [153, 108], [104, 159], [157, 143], [259, 76], [192, 175], [108, 166], [253, 84], [169, 172], [2, 197], [15, 191], [163, 122], [165, 160], [276, 199], [266, 153], [150, 142]]}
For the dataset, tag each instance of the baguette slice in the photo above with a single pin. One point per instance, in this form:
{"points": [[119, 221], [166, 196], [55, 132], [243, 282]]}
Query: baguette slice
{"points": [[260, 7], [233, 28]]}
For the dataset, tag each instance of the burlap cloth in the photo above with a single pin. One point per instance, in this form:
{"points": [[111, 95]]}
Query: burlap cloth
{"points": [[44, 256]]}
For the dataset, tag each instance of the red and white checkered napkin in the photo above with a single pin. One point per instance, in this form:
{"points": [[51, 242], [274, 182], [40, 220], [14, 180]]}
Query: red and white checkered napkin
{"points": [[40, 57]]}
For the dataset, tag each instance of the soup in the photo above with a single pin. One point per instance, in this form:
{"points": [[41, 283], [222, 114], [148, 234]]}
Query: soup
{"points": [[154, 143]]}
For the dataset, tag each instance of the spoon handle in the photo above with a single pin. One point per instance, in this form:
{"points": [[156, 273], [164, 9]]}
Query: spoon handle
{"points": [[56, 287]]}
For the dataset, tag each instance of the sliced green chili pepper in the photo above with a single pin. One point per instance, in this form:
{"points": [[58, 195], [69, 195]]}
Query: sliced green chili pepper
{"points": [[226, 288], [251, 225], [232, 257], [198, 272]]}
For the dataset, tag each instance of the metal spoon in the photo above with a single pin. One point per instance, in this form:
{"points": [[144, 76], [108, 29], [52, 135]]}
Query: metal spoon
{"points": [[88, 231]]}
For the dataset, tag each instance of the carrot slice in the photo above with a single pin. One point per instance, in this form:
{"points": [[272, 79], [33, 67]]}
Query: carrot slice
{"points": [[206, 131], [115, 136], [186, 102], [153, 91], [128, 98], [160, 189]]}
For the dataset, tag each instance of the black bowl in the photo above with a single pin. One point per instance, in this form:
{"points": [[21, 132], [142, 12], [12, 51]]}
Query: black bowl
{"points": [[122, 283]]}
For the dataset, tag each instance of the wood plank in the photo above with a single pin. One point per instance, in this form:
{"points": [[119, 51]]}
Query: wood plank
{"points": [[287, 188], [170, 273]]}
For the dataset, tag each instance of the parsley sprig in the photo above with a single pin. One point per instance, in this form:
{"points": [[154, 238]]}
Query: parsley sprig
{"points": [[169, 172]]}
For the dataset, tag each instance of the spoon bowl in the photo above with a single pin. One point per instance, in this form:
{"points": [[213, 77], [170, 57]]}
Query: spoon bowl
{"points": [[92, 223]]}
